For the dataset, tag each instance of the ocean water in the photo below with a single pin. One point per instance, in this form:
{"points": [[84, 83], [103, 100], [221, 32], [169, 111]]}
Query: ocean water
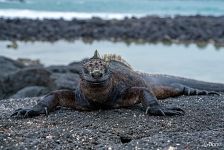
{"points": [[180, 60], [108, 9]]}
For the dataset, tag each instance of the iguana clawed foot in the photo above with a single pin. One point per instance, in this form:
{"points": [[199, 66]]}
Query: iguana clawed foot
{"points": [[164, 111], [26, 113]]}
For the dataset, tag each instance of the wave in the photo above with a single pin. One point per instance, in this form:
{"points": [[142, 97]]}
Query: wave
{"points": [[32, 14], [35, 14]]}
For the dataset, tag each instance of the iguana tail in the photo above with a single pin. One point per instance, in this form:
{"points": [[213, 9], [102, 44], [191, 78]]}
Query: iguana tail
{"points": [[167, 80]]}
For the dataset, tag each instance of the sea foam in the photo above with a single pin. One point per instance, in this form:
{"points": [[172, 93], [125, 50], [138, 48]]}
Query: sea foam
{"points": [[32, 14]]}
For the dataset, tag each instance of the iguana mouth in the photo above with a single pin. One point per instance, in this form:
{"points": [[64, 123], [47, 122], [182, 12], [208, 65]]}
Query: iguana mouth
{"points": [[89, 80], [97, 82]]}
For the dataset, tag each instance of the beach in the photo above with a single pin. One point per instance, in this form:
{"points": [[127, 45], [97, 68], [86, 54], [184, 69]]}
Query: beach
{"points": [[200, 128], [42, 45]]}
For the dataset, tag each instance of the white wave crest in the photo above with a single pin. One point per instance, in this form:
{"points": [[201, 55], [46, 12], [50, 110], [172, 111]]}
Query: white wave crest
{"points": [[32, 14]]}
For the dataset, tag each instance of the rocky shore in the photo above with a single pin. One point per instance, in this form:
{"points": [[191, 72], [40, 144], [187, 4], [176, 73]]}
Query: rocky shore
{"points": [[146, 29]]}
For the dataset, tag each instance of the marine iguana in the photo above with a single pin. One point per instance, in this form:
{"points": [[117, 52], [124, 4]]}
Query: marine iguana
{"points": [[110, 82]]}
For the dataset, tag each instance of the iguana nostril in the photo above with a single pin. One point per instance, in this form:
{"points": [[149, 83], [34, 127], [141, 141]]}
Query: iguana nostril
{"points": [[97, 74]]}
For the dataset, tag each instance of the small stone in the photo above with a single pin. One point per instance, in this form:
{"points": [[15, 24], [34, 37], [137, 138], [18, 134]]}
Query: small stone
{"points": [[49, 137]]}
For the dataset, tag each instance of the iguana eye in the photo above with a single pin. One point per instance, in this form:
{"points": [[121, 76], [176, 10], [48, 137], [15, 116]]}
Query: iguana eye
{"points": [[86, 71]]}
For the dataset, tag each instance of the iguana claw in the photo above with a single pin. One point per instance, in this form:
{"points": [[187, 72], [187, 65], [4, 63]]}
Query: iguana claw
{"points": [[164, 111]]}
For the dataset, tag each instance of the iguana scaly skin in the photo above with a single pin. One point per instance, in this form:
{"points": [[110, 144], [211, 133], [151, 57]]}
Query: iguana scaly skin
{"points": [[110, 82]]}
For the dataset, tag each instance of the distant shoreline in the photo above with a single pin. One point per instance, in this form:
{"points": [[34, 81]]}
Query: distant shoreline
{"points": [[204, 29]]}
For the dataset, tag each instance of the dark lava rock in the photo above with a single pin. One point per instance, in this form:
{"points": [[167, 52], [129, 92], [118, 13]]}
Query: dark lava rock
{"points": [[200, 128], [8, 65], [71, 68], [30, 79], [149, 29], [31, 91], [29, 62], [18, 74], [23, 78], [65, 80], [65, 77]]}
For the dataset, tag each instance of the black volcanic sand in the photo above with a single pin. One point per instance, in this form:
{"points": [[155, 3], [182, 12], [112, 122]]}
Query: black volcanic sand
{"points": [[201, 128], [147, 29]]}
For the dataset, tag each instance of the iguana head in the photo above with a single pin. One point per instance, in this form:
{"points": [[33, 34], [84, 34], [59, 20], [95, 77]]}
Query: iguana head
{"points": [[96, 82], [95, 70]]}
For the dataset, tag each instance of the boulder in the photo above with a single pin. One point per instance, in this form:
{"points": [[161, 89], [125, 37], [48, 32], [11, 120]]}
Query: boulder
{"points": [[31, 91], [18, 80], [65, 77], [8, 65], [65, 80]]}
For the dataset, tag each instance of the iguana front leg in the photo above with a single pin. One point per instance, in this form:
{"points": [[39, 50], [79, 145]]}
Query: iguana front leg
{"points": [[152, 106], [148, 100], [48, 104]]}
